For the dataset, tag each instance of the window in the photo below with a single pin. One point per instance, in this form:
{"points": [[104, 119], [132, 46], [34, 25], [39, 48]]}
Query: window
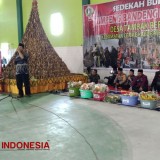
{"points": [[4, 51], [56, 24]]}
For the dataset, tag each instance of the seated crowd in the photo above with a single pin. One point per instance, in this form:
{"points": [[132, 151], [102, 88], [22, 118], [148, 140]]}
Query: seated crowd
{"points": [[120, 80]]}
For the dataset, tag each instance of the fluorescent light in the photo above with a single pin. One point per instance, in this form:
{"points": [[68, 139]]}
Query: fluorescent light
{"points": [[56, 24], [4, 50]]}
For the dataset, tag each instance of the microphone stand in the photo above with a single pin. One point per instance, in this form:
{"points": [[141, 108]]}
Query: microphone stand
{"points": [[10, 91]]}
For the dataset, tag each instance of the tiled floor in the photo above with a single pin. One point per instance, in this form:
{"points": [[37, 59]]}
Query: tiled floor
{"points": [[77, 129]]}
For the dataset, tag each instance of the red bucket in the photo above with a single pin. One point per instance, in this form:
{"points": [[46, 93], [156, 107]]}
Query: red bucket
{"points": [[99, 96]]}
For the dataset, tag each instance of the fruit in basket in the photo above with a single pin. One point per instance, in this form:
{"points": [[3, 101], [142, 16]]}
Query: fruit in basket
{"points": [[148, 96], [96, 89], [87, 86], [113, 99], [100, 88], [74, 84], [131, 94]]}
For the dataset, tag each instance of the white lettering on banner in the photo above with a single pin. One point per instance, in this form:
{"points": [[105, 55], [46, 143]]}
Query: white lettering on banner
{"points": [[129, 17], [138, 15], [128, 6], [152, 2], [105, 20]]}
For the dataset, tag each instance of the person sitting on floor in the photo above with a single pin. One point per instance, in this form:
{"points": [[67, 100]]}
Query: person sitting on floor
{"points": [[130, 79], [94, 77], [112, 77], [156, 82], [120, 78], [140, 82]]}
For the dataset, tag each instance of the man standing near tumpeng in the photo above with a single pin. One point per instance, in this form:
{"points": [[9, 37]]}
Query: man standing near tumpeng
{"points": [[22, 72]]}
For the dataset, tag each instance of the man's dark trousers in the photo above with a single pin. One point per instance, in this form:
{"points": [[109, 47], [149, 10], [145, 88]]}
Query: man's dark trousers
{"points": [[20, 79]]}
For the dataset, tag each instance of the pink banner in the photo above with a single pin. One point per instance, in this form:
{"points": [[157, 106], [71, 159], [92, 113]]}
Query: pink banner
{"points": [[124, 33]]}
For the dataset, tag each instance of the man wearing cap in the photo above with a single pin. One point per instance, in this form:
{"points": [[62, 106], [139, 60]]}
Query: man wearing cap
{"points": [[22, 73], [140, 82], [120, 78]]}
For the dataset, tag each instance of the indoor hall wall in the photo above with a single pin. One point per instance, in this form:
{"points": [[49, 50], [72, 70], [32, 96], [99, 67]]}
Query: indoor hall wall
{"points": [[71, 11], [73, 57], [8, 23], [69, 44]]}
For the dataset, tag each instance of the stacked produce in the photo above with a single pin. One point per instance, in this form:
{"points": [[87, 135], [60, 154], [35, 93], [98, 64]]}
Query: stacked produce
{"points": [[87, 86], [86, 90], [44, 62], [100, 88], [131, 94], [74, 84], [74, 88], [113, 99], [149, 100], [151, 96]]}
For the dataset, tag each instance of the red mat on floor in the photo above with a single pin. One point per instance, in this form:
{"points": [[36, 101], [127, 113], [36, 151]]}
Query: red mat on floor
{"points": [[119, 90], [112, 88]]}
